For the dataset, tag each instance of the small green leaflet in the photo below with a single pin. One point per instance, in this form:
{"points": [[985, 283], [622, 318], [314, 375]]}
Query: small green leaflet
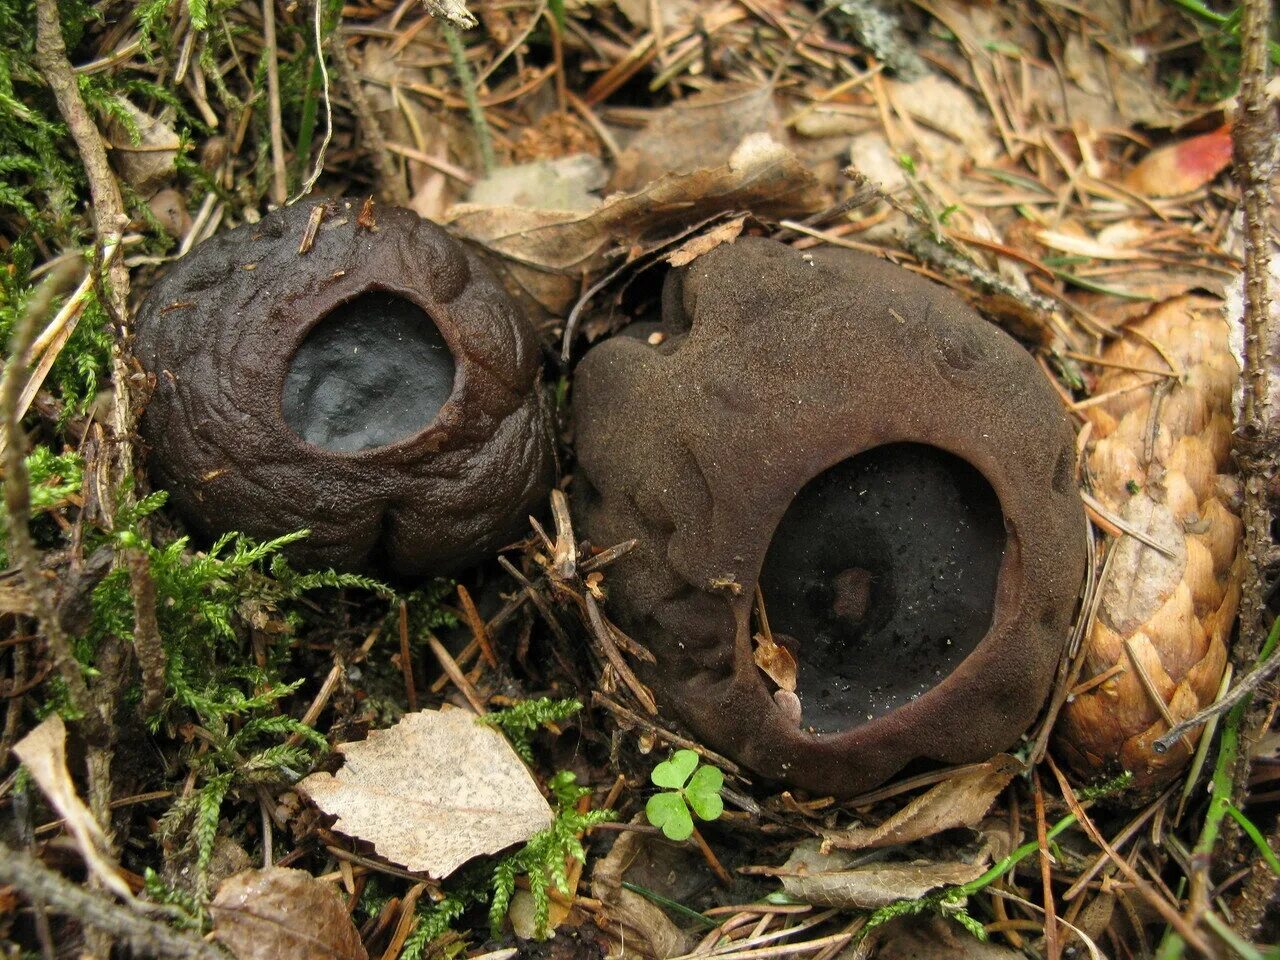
{"points": [[688, 785]]}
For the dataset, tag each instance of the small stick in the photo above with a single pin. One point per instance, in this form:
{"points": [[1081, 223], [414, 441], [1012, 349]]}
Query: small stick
{"points": [[279, 183], [146, 630], [145, 936], [605, 639], [326, 689], [477, 625], [456, 675], [537, 599], [405, 924], [406, 662], [1149, 687], [1053, 948], [712, 860], [469, 652], [724, 763], [1097, 681], [565, 561], [1162, 906], [1250, 682]]}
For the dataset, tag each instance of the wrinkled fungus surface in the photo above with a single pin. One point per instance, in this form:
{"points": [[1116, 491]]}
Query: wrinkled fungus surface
{"points": [[893, 472], [379, 389]]}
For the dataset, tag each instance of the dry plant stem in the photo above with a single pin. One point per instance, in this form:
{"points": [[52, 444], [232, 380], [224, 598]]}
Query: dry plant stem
{"points": [[145, 937], [604, 639], [455, 673], [108, 211], [712, 860], [393, 184], [724, 763], [406, 659], [479, 630], [1149, 893], [1052, 946], [146, 631], [279, 181], [17, 498], [1257, 433]]}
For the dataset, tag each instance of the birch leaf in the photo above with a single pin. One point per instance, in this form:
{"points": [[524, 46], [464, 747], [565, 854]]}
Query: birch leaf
{"points": [[432, 792]]}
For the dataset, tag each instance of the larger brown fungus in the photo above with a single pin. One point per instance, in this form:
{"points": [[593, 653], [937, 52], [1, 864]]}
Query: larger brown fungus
{"points": [[359, 374], [895, 474]]}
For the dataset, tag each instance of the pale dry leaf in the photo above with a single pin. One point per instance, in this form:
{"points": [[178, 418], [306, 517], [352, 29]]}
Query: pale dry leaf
{"points": [[43, 752], [546, 254], [149, 163], [1139, 579], [432, 792], [837, 879], [696, 246], [961, 801], [283, 914]]}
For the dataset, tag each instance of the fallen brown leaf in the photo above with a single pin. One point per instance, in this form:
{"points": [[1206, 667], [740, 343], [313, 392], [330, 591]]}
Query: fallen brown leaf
{"points": [[283, 914], [838, 879], [697, 132], [546, 254], [432, 792], [961, 801]]}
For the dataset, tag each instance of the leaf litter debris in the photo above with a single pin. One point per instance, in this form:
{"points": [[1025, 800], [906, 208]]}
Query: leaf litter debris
{"points": [[1065, 167]]}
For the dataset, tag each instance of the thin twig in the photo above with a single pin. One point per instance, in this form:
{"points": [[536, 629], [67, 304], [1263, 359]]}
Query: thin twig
{"points": [[604, 639], [147, 646], [279, 176], [1245, 688], [455, 673], [392, 180], [17, 497], [317, 33], [466, 80], [145, 936]]}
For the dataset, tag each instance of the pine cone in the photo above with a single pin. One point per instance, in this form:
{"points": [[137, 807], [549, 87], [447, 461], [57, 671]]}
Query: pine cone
{"points": [[1162, 446]]}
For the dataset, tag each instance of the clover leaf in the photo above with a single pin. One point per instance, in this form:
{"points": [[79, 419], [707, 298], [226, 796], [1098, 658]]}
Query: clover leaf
{"points": [[688, 786]]}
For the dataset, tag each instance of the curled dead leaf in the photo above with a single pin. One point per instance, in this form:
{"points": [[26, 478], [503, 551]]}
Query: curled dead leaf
{"points": [[961, 801], [283, 914], [545, 254], [777, 662], [843, 879], [696, 246], [43, 752]]}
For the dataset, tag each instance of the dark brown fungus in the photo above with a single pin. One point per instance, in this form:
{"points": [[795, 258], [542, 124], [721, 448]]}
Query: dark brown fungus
{"points": [[373, 384], [894, 473]]}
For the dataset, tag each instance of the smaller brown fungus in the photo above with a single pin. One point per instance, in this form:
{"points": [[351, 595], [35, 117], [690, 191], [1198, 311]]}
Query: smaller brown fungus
{"points": [[364, 378], [890, 473]]}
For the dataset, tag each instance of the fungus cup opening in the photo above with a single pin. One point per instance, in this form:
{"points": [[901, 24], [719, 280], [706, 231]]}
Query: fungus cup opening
{"points": [[372, 371], [881, 577]]}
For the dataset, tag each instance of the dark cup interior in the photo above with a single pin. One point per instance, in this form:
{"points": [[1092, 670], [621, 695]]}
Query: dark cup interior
{"points": [[881, 578]]}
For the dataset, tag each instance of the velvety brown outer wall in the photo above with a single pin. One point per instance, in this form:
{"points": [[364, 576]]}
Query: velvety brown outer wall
{"points": [[218, 333], [795, 362]]}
